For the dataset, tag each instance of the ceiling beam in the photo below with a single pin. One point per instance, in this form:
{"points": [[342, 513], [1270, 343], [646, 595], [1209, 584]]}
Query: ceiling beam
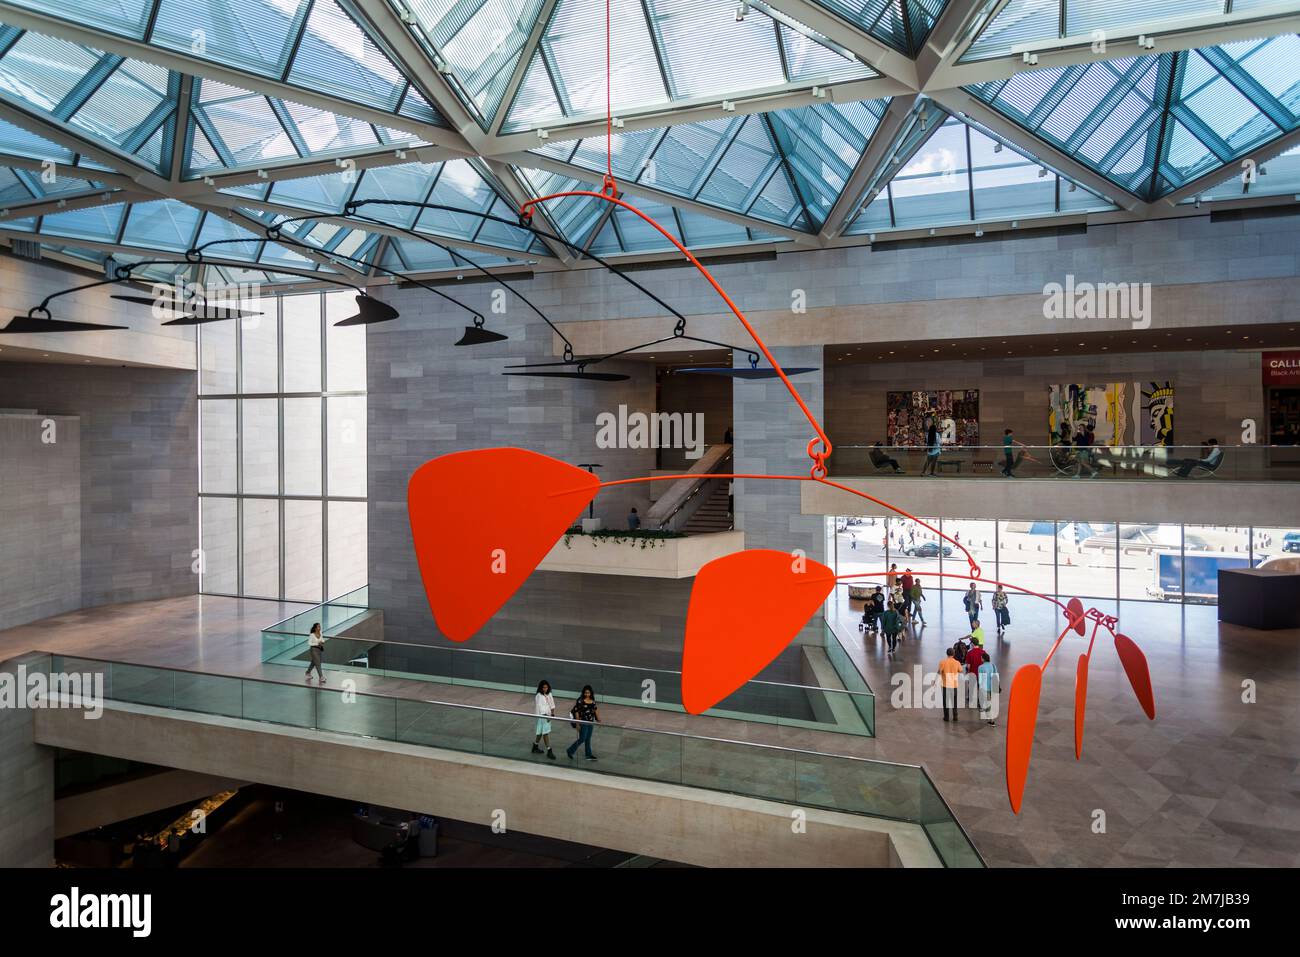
{"points": [[518, 192], [62, 135], [91, 199], [881, 57], [697, 110], [950, 37], [115, 180], [959, 101], [414, 62], [317, 256], [274, 171], [533, 161], [873, 158], [180, 137], [196, 66], [1120, 44]]}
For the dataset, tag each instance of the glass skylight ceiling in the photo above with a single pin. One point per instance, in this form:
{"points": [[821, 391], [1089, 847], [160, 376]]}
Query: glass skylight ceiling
{"points": [[122, 104], [1026, 21], [903, 24], [665, 51], [232, 128], [785, 168], [962, 174], [1279, 176], [313, 44], [454, 183], [1151, 124]]}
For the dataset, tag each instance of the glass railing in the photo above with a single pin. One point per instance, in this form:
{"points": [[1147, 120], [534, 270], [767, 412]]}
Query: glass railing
{"points": [[851, 676], [1177, 463], [334, 615], [879, 789], [787, 705]]}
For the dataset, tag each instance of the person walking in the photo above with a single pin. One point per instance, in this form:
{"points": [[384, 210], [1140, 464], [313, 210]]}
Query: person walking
{"points": [[892, 624], [544, 708], [974, 658], [931, 450], [1011, 460], [315, 652], [1000, 611], [907, 582], [973, 604], [585, 714], [897, 602], [891, 578], [949, 673], [918, 596], [989, 683], [875, 608]]}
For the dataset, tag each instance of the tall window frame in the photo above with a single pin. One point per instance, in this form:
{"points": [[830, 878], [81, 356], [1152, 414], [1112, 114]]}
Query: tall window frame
{"points": [[307, 567]]}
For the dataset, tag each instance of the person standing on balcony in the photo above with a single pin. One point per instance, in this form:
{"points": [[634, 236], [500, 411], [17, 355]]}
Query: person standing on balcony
{"points": [[544, 708], [316, 651], [585, 713], [633, 520], [931, 465]]}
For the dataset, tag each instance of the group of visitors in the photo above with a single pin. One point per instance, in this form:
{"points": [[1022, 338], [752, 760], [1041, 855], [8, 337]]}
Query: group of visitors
{"points": [[585, 714], [969, 657], [888, 611]]}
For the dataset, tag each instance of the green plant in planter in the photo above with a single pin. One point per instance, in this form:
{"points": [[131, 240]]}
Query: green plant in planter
{"points": [[641, 537]]}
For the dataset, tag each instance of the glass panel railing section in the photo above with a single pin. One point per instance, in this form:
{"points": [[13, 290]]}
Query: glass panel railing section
{"points": [[286, 638], [851, 676], [1154, 463], [852, 785], [842, 711]]}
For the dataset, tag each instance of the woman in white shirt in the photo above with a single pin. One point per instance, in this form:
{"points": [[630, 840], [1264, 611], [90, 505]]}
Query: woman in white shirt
{"points": [[316, 650], [544, 708]]}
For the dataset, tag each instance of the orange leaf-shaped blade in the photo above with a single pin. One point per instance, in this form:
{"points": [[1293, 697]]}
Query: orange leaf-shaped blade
{"points": [[1080, 704], [1139, 675], [745, 608], [481, 522], [1074, 613], [1022, 716]]}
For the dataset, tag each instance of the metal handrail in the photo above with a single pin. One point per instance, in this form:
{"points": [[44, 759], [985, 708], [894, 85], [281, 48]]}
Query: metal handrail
{"points": [[702, 480]]}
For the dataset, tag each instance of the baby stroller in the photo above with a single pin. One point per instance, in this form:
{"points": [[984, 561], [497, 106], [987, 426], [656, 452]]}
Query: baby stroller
{"points": [[870, 618]]}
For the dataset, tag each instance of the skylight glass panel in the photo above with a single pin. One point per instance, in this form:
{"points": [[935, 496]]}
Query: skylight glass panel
{"points": [[700, 230], [336, 56], [693, 34], [1272, 64], [41, 71], [806, 59], [217, 228], [573, 216], [255, 35], [409, 182], [687, 155], [99, 224], [1276, 177], [639, 236], [127, 18], [884, 19], [933, 188], [574, 47], [1020, 21], [325, 132], [412, 255], [166, 224], [325, 193], [21, 142], [124, 102], [1007, 184], [747, 162], [12, 189]]}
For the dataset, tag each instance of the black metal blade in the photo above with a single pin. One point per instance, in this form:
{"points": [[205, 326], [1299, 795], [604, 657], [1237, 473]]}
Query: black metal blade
{"points": [[477, 336], [38, 324]]}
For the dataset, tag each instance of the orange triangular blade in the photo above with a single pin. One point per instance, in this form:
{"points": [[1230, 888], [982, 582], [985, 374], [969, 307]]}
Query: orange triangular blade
{"points": [[1022, 715], [481, 522], [745, 608], [1139, 675], [1080, 704], [1074, 613]]}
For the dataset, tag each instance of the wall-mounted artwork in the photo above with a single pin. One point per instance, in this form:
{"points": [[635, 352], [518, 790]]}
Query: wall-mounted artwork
{"points": [[1119, 413], [956, 413]]}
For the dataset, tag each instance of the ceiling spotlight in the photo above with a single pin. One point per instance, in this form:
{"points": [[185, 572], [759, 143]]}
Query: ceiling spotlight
{"points": [[1041, 172], [1198, 202], [741, 10], [1073, 187], [1263, 171], [871, 237], [997, 147], [924, 120], [1146, 42], [1029, 59], [978, 232], [1015, 224]]}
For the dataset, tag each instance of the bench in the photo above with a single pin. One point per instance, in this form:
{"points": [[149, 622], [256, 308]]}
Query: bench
{"points": [[954, 464]]}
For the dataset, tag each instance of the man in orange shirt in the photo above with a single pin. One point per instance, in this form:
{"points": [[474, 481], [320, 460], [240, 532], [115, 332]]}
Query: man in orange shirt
{"points": [[949, 676]]}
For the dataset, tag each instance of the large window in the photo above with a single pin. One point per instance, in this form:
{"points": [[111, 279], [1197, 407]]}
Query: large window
{"points": [[1091, 560], [282, 420]]}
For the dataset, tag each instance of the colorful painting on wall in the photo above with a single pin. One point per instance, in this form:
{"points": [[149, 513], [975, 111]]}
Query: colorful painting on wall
{"points": [[956, 413], [1118, 413]]}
